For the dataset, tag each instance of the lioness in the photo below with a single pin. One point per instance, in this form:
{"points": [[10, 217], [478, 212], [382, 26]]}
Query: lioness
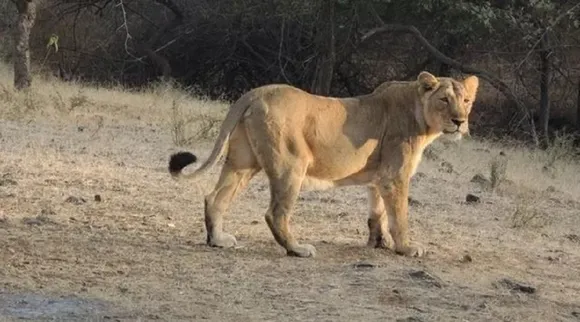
{"points": [[306, 141]]}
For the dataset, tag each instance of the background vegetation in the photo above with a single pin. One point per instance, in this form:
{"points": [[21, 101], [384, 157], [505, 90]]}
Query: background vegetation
{"points": [[95, 95], [528, 52]]}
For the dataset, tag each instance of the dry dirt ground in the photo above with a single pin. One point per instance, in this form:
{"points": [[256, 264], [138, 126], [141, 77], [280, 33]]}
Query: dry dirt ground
{"points": [[92, 227]]}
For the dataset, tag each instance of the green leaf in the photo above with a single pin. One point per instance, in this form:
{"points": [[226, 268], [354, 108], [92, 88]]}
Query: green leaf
{"points": [[53, 41]]}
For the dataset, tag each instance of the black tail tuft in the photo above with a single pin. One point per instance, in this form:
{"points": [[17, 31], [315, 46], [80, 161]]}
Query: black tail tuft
{"points": [[180, 160]]}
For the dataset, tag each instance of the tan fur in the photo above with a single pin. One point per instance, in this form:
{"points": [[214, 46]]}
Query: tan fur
{"points": [[305, 141]]}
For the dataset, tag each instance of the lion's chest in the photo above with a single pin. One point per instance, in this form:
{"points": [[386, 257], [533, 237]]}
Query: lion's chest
{"points": [[342, 139], [415, 161]]}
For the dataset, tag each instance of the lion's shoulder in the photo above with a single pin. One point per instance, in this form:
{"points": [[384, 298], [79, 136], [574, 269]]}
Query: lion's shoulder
{"points": [[393, 85]]}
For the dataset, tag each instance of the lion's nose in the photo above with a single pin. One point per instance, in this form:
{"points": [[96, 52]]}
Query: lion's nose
{"points": [[457, 122]]}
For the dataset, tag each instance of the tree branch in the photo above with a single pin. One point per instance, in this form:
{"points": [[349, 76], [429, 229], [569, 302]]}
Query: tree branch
{"points": [[560, 17], [171, 6], [147, 47], [125, 25]]}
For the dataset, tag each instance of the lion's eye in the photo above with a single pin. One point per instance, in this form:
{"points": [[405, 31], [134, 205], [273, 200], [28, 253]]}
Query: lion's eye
{"points": [[466, 100], [444, 99]]}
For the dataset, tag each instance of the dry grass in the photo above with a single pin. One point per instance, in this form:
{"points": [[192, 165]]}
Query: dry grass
{"points": [[160, 104], [138, 254], [529, 212]]}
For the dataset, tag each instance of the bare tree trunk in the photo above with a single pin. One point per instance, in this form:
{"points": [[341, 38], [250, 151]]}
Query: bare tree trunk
{"points": [[326, 45], [443, 69], [160, 61], [545, 71], [578, 106], [25, 22]]}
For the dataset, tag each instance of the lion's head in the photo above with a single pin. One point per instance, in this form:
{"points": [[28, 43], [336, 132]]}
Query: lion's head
{"points": [[447, 103]]}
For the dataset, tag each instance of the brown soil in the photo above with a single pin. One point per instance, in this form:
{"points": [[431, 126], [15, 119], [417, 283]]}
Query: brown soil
{"points": [[136, 252]]}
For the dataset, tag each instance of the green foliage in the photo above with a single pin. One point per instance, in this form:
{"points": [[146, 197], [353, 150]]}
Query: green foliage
{"points": [[53, 42], [445, 17], [472, 20], [226, 47]]}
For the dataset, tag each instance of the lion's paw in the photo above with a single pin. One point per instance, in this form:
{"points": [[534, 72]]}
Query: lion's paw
{"points": [[303, 250], [411, 250], [223, 240], [384, 242]]}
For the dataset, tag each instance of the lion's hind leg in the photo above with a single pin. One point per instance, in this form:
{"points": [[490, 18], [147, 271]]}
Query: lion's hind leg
{"points": [[378, 223], [284, 188], [230, 183], [240, 167]]}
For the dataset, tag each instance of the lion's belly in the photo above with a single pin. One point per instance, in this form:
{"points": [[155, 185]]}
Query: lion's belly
{"points": [[341, 160]]}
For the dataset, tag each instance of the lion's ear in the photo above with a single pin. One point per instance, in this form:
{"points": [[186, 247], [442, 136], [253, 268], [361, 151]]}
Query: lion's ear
{"points": [[427, 80], [471, 85]]}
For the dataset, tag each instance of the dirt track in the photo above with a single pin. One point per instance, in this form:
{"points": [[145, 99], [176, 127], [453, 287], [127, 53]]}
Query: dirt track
{"points": [[138, 254]]}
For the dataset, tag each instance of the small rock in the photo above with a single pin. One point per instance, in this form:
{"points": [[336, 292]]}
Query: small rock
{"points": [[343, 214], [255, 222], [576, 314], [329, 200], [471, 198], [75, 200], [7, 182], [419, 176], [446, 167], [123, 289], [98, 198], [517, 286], [480, 179], [152, 317], [37, 221], [466, 259], [171, 225], [409, 319], [364, 264], [414, 202], [80, 128], [47, 212], [421, 274], [430, 154], [573, 238], [551, 189]]}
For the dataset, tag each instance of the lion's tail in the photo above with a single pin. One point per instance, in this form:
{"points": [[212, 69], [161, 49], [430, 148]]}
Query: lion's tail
{"points": [[180, 160]]}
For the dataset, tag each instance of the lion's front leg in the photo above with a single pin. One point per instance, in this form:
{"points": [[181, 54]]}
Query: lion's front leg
{"points": [[379, 236], [395, 194]]}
